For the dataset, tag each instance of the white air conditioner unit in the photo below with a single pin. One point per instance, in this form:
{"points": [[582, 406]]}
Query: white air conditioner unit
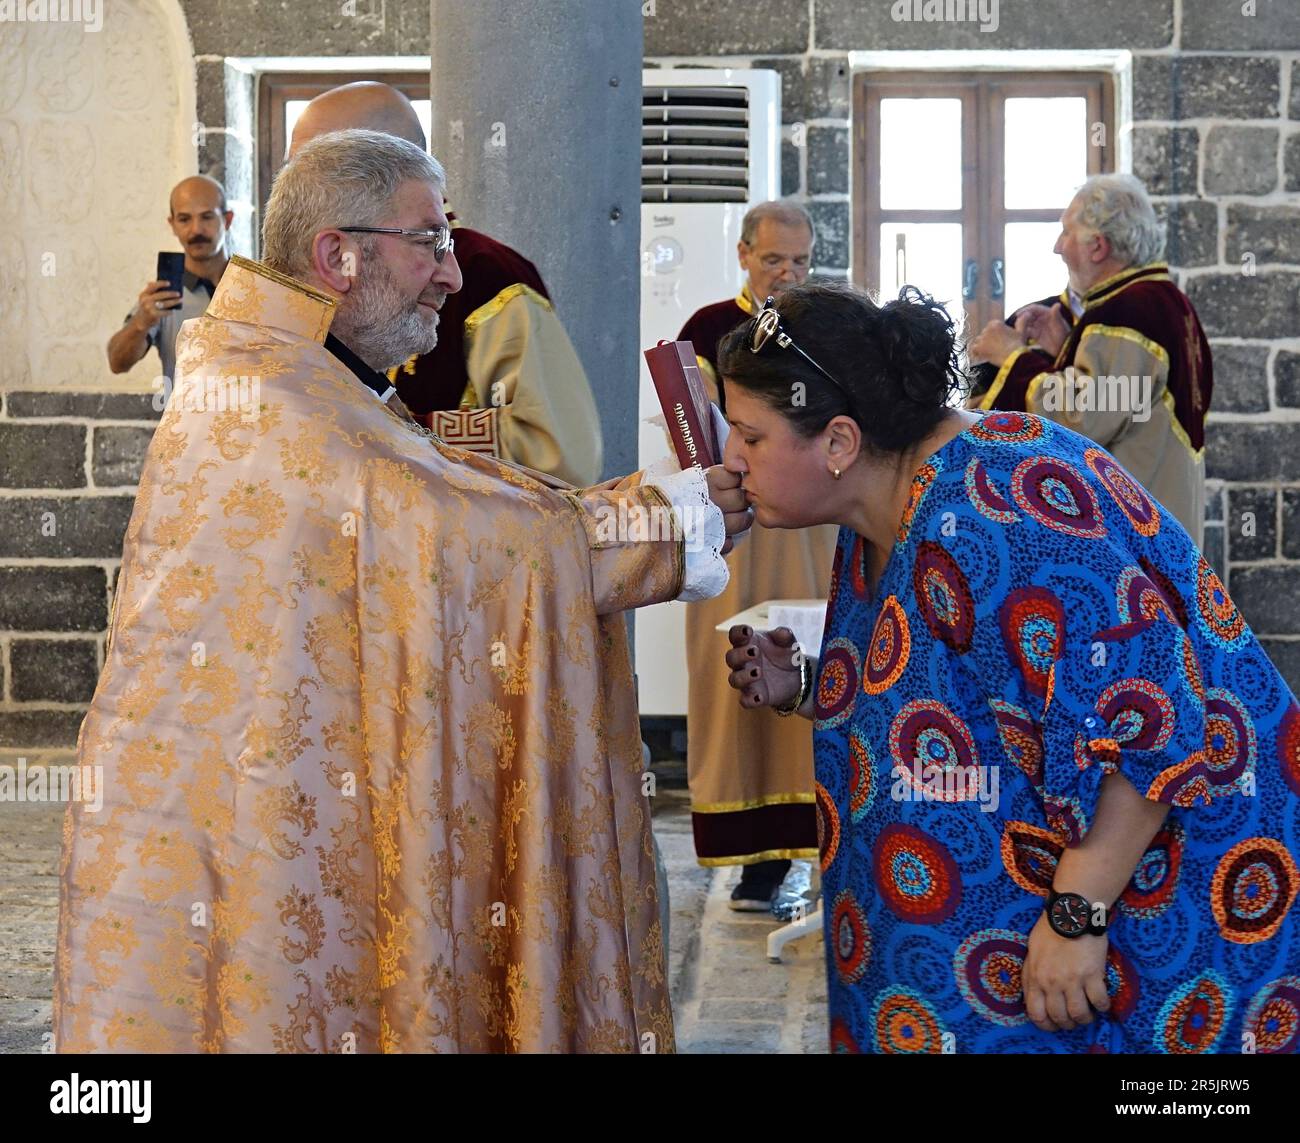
{"points": [[710, 149]]}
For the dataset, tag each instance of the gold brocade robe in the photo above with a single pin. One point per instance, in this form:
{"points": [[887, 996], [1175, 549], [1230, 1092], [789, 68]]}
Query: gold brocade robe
{"points": [[370, 750]]}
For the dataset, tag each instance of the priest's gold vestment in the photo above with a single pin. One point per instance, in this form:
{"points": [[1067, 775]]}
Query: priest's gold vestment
{"points": [[370, 752]]}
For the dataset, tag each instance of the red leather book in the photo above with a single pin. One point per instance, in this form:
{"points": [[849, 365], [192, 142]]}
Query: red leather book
{"points": [[685, 402]]}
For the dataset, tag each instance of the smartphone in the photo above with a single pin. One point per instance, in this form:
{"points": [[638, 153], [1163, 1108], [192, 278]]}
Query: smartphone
{"points": [[171, 269]]}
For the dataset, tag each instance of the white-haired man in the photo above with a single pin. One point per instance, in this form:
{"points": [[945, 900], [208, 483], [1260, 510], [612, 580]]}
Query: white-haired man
{"points": [[366, 720], [1131, 369]]}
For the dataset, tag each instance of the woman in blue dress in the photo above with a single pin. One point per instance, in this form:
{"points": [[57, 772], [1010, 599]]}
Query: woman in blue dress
{"points": [[1056, 775]]}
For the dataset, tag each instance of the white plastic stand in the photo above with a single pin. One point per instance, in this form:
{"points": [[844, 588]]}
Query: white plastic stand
{"points": [[800, 927], [806, 618]]}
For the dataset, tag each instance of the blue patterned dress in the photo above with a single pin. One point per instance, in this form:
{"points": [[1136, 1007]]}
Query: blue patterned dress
{"points": [[1040, 623]]}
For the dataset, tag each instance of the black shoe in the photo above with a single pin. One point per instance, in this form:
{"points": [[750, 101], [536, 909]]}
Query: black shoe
{"points": [[758, 886]]}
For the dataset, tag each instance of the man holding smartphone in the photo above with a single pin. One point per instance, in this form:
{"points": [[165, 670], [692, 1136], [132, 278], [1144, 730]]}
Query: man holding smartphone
{"points": [[200, 220]]}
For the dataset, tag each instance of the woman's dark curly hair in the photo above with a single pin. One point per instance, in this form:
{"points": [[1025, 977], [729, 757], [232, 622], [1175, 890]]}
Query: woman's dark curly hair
{"points": [[898, 363]]}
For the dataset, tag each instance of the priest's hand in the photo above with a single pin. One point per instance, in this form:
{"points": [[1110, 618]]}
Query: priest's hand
{"points": [[763, 666], [995, 343], [726, 493], [1044, 325]]}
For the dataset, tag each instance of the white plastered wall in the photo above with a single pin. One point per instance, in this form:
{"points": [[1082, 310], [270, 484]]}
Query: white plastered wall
{"points": [[96, 127]]}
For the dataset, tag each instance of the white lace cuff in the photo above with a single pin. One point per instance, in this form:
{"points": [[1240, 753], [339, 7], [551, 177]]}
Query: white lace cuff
{"points": [[701, 523]]}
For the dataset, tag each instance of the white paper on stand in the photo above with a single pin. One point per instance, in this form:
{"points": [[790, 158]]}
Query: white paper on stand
{"points": [[805, 617]]}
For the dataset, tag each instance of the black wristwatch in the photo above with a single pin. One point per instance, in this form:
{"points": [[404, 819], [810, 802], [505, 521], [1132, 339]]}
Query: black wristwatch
{"points": [[1070, 915]]}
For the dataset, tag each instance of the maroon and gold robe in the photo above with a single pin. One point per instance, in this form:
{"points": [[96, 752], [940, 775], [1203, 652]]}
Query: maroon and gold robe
{"points": [[504, 379], [1137, 329]]}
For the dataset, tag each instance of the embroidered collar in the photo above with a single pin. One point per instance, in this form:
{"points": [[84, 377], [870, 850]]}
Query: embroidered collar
{"points": [[1104, 291], [253, 293]]}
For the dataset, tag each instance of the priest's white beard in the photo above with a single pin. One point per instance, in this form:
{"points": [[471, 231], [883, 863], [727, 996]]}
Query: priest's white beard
{"points": [[381, 326]]}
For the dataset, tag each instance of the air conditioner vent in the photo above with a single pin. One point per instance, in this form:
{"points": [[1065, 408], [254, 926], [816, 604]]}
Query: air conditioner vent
{"points": [[695, 144]]}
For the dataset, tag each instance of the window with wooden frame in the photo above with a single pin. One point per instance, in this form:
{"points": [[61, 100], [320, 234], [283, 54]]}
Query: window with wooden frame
{"points": [[281, 96], [960, 180]]}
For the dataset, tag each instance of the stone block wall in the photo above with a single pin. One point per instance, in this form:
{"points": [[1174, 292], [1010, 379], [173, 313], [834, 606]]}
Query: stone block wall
{"points": [[1215, 136], [69, 464], [1215, 133]]}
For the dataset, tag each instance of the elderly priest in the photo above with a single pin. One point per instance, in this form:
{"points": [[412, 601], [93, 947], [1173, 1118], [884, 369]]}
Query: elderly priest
{"points": [[371, 755]]}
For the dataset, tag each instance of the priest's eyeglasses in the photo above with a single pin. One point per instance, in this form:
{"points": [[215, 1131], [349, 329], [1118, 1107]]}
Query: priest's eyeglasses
{"points": [[766, 324], [439, 237]]}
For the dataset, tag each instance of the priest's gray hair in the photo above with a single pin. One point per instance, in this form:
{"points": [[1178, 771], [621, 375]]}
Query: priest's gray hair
{"points": [[1117, 207], [344, 178], [786, 213]]}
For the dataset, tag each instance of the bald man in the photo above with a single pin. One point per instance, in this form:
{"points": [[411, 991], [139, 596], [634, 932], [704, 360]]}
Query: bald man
{"points": [[200, 219], [504, 378]]}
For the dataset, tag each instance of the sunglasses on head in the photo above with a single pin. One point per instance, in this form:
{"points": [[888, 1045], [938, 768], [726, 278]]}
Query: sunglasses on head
{"points": [[766, 325]]}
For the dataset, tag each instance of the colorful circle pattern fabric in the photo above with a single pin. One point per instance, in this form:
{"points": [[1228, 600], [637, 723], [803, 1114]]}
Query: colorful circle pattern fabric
{"points": [[858, 569], [1288, 747], [925, 476], [1033, 629], [1192, 1019], [905, 1024], [1172, 596], [1137, 598], [1253, 888], [850, 938], [1231, 749], [916, 875], [1151, 889], [1057, 497], [988, 965], [1008, 427], [1273, 1017], [1029, 855], [828, 826], [944, 597], [1126, 492], [862, 776], [891, 646], [985, 497], [1140, 715], [1122, 984], [1021, 738], [837, 682], [973, 650], [933, 751], [1216, 614], [842, 1041]]}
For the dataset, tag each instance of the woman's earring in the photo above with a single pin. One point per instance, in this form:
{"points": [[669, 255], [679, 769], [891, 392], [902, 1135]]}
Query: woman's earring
{"points": [[837, 474]]}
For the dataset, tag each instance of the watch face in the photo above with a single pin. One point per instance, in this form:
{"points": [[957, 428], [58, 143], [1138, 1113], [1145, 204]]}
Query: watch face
{"points": [[1069, 915]]}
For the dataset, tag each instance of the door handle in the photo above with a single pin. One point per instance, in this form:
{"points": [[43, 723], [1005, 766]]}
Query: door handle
{"points": [[970, 279], [998, 274]]}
